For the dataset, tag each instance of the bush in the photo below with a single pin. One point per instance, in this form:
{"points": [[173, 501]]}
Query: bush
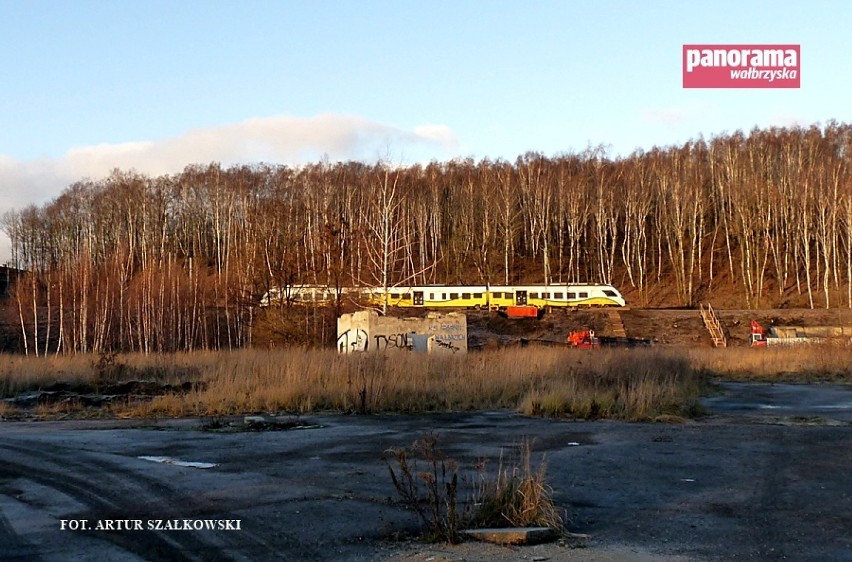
{"points": [[516, 496]]}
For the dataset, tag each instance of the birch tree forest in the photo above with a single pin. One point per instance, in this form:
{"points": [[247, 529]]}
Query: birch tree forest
{"points": [[180, 262]]}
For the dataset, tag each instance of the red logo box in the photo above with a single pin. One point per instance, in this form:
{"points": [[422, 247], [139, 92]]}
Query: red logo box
{"points": [[742, 66]]}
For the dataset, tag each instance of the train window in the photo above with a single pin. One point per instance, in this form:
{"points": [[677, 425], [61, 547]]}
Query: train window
{"points": [[533, 295], [572, 295], [443, 296], [465, 295], [477, 295], [497, 295], [454, 296], [609, 293], [545, 295], [431, 296], [406, 296], [557, 295], [584, 295]]}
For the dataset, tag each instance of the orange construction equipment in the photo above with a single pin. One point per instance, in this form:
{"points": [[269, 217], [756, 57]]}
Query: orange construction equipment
{"points": [[790, 335], [758, 336], [583, 339], [523, 311]]}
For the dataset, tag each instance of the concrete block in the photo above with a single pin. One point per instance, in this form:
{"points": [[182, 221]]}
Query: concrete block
{"points": [[514, 535]]}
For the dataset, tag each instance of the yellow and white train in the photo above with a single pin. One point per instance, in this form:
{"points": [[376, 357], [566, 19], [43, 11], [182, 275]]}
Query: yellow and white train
{"points": [[495, 297]]}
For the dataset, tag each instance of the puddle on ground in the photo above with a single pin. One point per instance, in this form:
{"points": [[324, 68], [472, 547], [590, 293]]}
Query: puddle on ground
{"points": [[176, 462]]}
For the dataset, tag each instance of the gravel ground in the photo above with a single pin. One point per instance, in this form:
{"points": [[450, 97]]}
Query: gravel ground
{"points": [[764, 478]]}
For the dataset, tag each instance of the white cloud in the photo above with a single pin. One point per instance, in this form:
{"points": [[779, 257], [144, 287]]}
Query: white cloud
{"points": [[288, 140], [441, 134], [281, 139]]}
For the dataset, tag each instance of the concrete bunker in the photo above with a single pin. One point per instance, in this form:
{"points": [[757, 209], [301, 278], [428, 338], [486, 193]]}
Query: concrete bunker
{"points": [[366, 331]]}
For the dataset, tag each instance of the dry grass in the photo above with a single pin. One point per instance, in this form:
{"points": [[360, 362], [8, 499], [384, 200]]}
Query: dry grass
{"points": [[518, 495], [631, 384], [625, 384], [635, 384], [20, 373], [8, 411], [816, 363]]}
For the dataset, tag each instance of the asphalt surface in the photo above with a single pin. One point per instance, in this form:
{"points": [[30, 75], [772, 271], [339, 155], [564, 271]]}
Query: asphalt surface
{"points": [[765, 477]]}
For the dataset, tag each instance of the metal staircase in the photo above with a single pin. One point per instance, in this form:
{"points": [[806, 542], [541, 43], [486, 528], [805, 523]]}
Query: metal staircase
{"points": [[713, 326]]}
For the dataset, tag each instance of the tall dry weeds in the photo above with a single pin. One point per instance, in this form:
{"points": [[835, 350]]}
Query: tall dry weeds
{"points": [[632, 384], [517, 495], [805, 363], [429, 483]]}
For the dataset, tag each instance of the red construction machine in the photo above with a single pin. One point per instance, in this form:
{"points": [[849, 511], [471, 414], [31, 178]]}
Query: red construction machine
{"points": [[758, 336], [522, 311], [586, 339], [797, 335], [583, 339]]}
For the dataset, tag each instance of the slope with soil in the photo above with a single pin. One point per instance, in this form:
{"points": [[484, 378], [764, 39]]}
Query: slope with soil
{"points": [[676, 327]]}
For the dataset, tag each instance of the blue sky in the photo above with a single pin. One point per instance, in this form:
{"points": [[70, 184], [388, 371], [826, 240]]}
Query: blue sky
{"points": [[87, 86]]}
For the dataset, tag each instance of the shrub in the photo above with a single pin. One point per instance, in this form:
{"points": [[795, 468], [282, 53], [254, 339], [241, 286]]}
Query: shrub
{"points": [[433, 492], [516, 496]]}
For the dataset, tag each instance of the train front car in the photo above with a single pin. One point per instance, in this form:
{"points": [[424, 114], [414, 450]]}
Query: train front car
{"points": [[591, 296], [557, 295], [611, 295]]}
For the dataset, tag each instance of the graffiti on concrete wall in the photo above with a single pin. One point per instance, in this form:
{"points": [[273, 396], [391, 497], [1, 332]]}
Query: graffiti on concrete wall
{"points": [[366, 331], [353, 340], [449, 335], [392, 341], [447, 345]]}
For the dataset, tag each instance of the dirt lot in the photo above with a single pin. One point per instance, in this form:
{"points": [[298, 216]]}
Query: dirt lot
{"points": [[764, 478]]}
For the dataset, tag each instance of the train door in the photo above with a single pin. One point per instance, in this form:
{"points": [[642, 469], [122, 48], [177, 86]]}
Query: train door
{"points": [[418, 298], [520, 298]]}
